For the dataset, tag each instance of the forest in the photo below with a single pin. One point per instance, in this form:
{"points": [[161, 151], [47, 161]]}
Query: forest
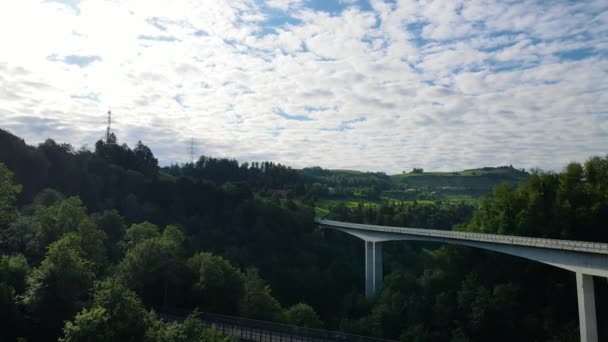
{"points": [[95, 244]]}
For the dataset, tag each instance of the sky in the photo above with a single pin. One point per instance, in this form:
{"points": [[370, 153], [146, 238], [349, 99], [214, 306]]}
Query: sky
{"points": [[344, 84]]}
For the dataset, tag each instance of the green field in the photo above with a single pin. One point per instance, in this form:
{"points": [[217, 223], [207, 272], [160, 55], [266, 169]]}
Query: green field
{"points": [[461, 198], [473, 182], [466, 186], [346, 172], [354, 188], [349, 202], [320, 212], [324, 206], [497, 171]]}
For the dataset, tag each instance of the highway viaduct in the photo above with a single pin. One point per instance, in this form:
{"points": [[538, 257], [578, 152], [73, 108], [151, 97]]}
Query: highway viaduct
{"points": [[585, 259]]}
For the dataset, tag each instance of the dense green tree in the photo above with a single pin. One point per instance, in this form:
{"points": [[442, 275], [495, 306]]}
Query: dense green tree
{"points": [[8, 197], [48, 197], [117, 314], [13, 322], [91, 241], [57, 289], [191, 329], [20, 237], [258, 302], [485, 311], [152, 268], [219, 285], [13, 272], [113, 225], [28, 163], [64, 172], [139, 159], [419, 333], [131, 208], [144, 160], [58, 219], [303, 315], [569, 205], [89, 325], [596, 173], [173, 234], [128, 317], [138, 233]]}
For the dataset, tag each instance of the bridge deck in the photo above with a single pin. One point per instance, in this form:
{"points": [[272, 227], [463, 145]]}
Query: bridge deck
{"points": [[568, 245]]}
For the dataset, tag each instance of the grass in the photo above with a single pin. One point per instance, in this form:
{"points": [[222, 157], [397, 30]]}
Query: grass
{"points": [[419, 201], [326, 204], [349, 203], [404, 175], [461, 198], [347, 172], [320, 212], [465, 173]]}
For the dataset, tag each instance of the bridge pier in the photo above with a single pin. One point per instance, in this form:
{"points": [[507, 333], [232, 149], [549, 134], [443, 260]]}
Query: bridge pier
{"points": [[586, 307], [373, 268]]}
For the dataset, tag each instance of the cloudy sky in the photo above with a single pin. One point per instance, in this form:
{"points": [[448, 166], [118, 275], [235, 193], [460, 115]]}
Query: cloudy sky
{"points": [[369, 85]]}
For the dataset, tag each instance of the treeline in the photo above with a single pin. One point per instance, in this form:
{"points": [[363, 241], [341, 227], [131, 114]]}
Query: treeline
{"points": [[258, 175], [437, 215], [569, 205], [338, 178], [311, 182]]}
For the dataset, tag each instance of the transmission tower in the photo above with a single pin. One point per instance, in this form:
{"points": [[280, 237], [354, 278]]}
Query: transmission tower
{"points": [[192, 150], [108, 129]]}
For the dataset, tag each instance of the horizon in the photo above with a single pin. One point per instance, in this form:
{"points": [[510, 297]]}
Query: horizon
{"points": [[161, 164], [374, 86]]}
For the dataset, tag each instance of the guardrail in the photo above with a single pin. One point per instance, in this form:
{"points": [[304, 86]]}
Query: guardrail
{"points": [[247, 329], [569, 245], [254, 330]]}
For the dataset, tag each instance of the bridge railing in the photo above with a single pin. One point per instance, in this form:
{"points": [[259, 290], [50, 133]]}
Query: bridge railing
{"points": [[571, 245], [247, 329], [254, 330]]}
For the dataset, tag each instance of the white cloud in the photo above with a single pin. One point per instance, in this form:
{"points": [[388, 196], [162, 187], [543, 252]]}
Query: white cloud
{"points": [[439, 84], [283, 5]]}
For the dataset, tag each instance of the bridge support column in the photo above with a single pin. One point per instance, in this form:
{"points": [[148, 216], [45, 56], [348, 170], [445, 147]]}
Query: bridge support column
{"points": [[586, 307], [373, 268]]}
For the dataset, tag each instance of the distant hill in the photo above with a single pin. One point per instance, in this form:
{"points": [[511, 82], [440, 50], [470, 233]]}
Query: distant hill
{"points": [[346, 178], [457, 185], [475, 179]]}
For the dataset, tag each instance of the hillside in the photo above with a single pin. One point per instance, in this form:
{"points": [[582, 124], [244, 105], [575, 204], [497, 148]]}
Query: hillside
{"points": [[472, 182], [465, 185]]}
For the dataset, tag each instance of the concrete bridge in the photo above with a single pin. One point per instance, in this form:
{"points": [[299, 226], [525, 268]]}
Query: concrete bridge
{"points": [[585, 259]]}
